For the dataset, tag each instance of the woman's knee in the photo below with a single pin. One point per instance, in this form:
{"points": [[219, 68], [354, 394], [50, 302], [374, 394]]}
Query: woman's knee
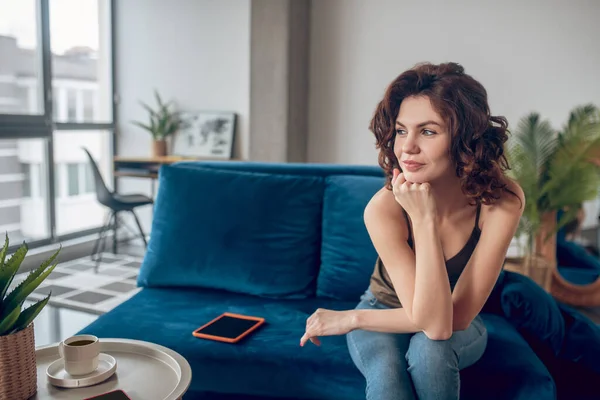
{"points": [[427, 354], [376, 353]]}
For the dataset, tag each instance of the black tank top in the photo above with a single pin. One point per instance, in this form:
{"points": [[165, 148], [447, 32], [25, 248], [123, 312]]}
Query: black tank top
{"points": [[381, 285]]}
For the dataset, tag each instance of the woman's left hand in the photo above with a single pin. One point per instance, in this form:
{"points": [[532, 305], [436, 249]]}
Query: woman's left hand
{"points": [[327, 323]]}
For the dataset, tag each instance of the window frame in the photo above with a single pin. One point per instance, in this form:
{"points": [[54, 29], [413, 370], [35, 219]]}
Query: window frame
{"points": [[44, 126]]}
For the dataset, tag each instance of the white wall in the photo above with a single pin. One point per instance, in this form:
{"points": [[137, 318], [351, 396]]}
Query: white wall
{"points": [[534, 55], [195, 52]]}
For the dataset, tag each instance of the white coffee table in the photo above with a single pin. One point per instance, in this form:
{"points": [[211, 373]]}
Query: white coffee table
{"points": [[144, 371]]}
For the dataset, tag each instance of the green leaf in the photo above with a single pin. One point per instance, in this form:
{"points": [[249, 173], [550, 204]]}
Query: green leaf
{"points": [[49, 261], [25, 288], [6, 274], [29, 314], [7, 323], [141, 125], [149, 109], [579, 143], [9, 270], [158, 99], [581, 115], [537, 139], [554, 170], [4, 250], [172, 127]]}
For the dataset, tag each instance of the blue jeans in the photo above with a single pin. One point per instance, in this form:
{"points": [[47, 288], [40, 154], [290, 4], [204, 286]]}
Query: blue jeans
{"points": [[412, 366]]}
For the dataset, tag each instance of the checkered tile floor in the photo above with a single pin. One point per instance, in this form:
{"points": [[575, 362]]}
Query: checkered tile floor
{"points": [[75, 285]]}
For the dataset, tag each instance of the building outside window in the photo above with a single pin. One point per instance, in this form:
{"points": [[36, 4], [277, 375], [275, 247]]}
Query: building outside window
{"points": [[81, 94]]}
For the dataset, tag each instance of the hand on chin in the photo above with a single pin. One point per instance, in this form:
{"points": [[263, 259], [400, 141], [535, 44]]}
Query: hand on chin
{"points": [[413, 177]]}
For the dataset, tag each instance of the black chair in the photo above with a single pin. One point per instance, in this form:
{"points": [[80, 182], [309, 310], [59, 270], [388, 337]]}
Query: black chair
{"points": [[116, 203]]}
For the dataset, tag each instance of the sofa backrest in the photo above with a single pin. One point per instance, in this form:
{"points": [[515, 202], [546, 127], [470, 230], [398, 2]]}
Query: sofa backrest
{"points": [[267, 229]]}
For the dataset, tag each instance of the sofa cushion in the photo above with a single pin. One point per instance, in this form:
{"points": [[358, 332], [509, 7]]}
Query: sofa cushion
{"points": [[576, 370], [347, 253], [582, 340], [509, 369], [271, 363], [578, 275], [532, 311], [576, 367], [301, 169], [244, 232], [571, 254]]}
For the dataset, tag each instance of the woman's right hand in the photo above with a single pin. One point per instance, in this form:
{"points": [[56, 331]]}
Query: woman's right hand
{"points": [[415, 198]]}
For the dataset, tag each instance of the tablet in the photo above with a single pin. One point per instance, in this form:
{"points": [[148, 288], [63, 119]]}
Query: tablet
{"points": [[229, 327]]}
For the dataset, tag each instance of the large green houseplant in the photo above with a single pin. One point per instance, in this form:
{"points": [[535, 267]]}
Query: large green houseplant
{"points": [[162, 123], [556, 172], [18, 376]]}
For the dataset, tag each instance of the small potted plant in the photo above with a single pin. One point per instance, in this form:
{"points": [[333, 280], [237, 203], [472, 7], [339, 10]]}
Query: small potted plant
{"points": [[18, 371], [163, 122]]}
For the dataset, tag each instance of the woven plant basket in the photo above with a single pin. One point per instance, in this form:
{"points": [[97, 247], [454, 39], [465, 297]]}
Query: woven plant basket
{"points": [[18, 371]]}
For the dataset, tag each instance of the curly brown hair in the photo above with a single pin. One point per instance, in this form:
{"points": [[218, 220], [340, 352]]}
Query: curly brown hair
{"points": [[477, 145]]}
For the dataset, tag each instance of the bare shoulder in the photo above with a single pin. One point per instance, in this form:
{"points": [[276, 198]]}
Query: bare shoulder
{"points": [[382, 203], [384, 210], [510, 205]]}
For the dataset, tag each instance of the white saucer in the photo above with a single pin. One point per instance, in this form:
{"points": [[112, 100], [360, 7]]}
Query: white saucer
{"points": [[57, 376]]}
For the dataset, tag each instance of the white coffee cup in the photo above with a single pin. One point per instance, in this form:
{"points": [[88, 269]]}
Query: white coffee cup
{"points": [[80, 354]]}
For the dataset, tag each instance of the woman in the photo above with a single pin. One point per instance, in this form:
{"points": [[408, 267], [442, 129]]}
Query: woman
{"points": [[441, 226]]}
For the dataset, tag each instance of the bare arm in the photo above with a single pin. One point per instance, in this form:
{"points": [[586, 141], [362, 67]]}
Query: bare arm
{"points": [[432, 302], [394, 320], [473, 287], [387, 228], [481, 272], [388, 231]]}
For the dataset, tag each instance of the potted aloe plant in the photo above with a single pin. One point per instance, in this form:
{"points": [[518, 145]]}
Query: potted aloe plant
{"points": [[18, 372], [556, 172], [162, 123]]}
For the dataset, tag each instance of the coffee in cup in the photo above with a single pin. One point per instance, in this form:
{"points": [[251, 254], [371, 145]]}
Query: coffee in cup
{"points": [[80, 354]]}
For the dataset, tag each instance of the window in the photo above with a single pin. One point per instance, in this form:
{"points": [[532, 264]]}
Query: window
{"points": [[80, 179], [73, 179], [81, 68], [89, 179], [71, 105], [33, 180], [80, 93], [81, 57], [27, 183], [37, 180], [55, 104], [23, 203], [20, 74], [58, 175], [77, 208], [88, 105]]}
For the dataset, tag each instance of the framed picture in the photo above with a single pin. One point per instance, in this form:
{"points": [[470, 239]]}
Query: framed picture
{"points": [[207, 134]]}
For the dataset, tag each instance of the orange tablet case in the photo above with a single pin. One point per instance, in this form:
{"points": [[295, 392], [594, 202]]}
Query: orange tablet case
{"points": [[260, 321]]}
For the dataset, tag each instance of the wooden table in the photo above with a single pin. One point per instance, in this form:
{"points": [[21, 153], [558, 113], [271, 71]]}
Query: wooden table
{"points": [[144, 167], [148, 167]]}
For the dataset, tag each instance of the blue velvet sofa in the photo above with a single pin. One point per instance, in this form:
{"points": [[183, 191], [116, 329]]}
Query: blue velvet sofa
{"points": [[279, 241]]}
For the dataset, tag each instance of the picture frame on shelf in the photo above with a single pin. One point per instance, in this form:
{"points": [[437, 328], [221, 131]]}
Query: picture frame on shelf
{"points": [[206, 134]]}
